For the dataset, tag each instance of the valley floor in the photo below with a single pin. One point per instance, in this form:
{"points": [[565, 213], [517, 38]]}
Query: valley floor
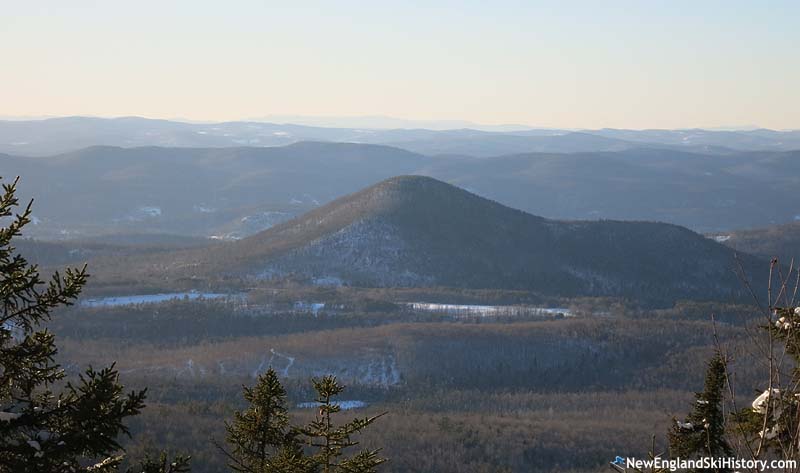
{"points": [[525, 390]]}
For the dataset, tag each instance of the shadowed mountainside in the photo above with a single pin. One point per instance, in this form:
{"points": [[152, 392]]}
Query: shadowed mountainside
{"points": [[417, 231]]}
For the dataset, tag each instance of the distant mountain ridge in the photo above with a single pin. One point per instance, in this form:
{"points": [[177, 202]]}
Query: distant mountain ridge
{"points": [[229, 193], [60, 135], [387, 123], [418, 231]]}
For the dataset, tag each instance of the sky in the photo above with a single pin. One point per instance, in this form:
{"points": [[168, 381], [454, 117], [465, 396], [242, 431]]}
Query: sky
{"points": [[569, 64]]}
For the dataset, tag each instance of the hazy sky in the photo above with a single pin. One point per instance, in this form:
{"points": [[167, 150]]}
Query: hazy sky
{"points": [[590, 64]]}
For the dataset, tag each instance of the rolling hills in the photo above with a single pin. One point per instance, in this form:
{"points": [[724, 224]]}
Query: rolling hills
{"points": [[66, 134], [775, 241], [225, 192], [230, 193]]}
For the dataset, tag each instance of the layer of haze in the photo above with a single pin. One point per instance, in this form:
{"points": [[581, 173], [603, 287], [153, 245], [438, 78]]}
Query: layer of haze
{"points": [[587, 64]]}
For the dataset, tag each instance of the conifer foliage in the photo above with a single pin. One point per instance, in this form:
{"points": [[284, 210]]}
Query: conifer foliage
{"points": [[332, 440], [702, 433], [77, 428], [260, 436], [162, 464], [263, 441]]}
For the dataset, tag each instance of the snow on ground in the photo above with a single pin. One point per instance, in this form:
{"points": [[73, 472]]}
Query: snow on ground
{"points": [[374, 368], [226, 237], [151, 298], [487, 310], [722, 238], [343, 405], [313, 307], [268, 363], [204, 209], [264, 220], [328, 281], [150, 211], [382, 372], [289, 361]]}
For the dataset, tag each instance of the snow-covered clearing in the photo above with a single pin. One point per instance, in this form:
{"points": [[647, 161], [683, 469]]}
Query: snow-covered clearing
{"points": [[486, 310], [152, 298]]}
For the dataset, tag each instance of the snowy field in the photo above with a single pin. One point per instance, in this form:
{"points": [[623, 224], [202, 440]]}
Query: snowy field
{"points": [[486, 310], [312, 307], [152, 298]]}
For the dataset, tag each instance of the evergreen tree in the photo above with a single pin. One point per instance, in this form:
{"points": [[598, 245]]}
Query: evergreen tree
{"points": [[702, 434], [260, 436], [331, 440], [162, 465], [264, 441], [41, 431]]}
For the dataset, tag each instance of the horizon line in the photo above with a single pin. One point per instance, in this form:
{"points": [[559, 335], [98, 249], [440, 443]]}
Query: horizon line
{"points": [[468, 124]]}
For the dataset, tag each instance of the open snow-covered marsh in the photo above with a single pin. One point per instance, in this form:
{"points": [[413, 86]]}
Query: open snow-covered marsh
{"points": [[486, 310], [153, 298]]}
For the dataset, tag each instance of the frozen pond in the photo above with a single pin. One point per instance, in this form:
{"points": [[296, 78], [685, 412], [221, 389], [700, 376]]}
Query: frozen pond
{"points": [[486, 310], [152, 298], [343, 405]]}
